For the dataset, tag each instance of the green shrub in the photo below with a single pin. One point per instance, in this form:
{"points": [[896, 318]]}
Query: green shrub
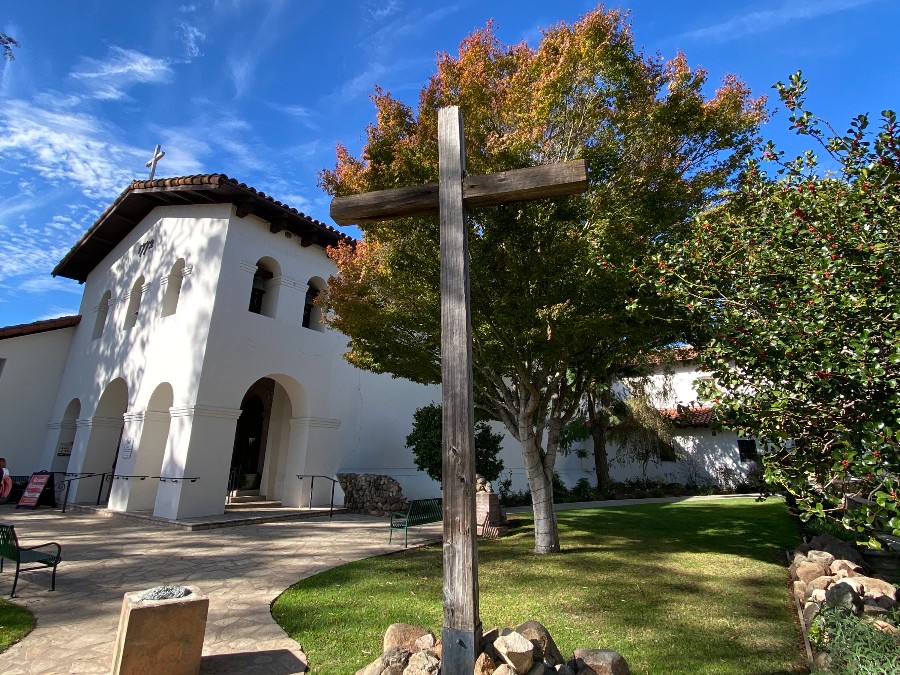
{"points": [[854, 645], [425, 442]]}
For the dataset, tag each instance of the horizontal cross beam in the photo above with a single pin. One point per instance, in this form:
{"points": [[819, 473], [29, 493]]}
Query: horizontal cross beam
{"points": [[550, 180]]}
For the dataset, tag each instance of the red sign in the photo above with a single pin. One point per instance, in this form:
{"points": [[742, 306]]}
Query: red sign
{"points": [[33, 491]]}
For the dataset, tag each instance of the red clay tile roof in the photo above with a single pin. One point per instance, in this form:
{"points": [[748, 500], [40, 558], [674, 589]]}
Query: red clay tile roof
{"points": [[39, 326], [142, 196], [689, 417]]}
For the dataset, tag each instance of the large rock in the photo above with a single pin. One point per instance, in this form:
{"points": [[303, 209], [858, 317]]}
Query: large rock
{"points": [[839, 549], [843, 596], [391, 662], [403, 635], [871, 585], [423, 663], [807, 571], [823, 557], [600, 662], [505, 669], [819, 583], [484, 665], [546, 649], [516, 650], [851, 568], [810, 609], [800, 590]]}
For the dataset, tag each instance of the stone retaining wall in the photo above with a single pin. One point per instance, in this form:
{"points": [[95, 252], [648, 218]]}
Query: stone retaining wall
{"points": [[375, 494]]}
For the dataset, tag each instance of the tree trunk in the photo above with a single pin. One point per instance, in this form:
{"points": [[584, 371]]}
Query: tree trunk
{"points": [[598, 421], [601, 458], [540, 482]]}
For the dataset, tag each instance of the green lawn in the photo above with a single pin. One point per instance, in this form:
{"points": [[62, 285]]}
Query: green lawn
{"points": [[691, 587], [15, 623]]}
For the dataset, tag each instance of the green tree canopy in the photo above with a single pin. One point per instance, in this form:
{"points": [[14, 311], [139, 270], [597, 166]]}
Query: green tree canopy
{"points": [[425, 442], [797, 288], [550, 280]]}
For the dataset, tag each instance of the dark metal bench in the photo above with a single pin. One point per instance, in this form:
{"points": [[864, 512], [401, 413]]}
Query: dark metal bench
{"points": [[419, 512], [27, 555]]}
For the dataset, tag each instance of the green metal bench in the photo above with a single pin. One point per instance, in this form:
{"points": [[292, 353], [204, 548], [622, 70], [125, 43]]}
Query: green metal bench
{"points": [[27, 555], [419, 512]]}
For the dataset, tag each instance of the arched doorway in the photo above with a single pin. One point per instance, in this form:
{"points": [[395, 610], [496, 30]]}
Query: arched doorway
{"points": [[251, 437], [268, 444]]}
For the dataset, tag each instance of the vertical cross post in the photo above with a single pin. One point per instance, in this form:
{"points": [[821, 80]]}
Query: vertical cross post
{"points": [[461, 635], [158, 154]]}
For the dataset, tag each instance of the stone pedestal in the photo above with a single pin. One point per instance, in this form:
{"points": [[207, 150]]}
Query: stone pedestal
{"points": [[487, 514], [161, 636]]}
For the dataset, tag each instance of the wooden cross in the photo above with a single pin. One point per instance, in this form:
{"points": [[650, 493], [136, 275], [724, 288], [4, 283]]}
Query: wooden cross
{"points": [[158, 154], [461, 635]]}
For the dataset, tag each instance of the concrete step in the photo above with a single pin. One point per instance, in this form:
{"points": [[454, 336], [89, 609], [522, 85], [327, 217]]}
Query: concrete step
{"points": [[259, 503]]}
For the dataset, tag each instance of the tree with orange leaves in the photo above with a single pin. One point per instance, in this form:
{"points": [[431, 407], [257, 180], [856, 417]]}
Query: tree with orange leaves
{"points": [[550, 280]]}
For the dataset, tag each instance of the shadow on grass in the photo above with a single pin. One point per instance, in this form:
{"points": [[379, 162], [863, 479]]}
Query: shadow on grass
{"points": [[676, 588]]}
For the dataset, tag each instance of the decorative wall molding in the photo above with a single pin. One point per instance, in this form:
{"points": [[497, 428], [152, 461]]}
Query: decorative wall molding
{"points": [[287, 282], [249, 268], [318, 422], [65, 424], [109, 422], [205, 411]]}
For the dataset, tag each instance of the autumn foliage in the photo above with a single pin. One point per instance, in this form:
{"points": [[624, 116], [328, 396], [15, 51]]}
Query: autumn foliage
{"points": [[550, 280]]}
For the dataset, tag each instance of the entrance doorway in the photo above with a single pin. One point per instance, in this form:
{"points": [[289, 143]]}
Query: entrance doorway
{"points": [[251, 437]]}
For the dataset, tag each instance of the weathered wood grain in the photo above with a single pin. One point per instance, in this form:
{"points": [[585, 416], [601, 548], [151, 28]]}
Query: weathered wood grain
{"points": [[537, 182]]}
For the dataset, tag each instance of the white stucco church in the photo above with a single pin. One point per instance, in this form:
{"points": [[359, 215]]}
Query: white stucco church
{"points": [[198, 355]]}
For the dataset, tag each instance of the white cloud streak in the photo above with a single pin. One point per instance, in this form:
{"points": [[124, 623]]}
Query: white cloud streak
{"points": [[766, 20], [109, 79]]}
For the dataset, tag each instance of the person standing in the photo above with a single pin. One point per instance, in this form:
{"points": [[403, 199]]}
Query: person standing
{"points": [[5, 481]]}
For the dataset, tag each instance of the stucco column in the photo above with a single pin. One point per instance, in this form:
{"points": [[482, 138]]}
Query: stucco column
{"points": [[140, 454], [199, 446], [291, 300], [97, 432], [295, 464], [311, 439]]}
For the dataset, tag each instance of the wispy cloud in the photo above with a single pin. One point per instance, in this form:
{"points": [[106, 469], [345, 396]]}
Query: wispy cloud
{"points": [[67, 147], [380, 50], [243, 61], [303, 115], [192, 37], [110, 78], [765, 20], [48, 284]]}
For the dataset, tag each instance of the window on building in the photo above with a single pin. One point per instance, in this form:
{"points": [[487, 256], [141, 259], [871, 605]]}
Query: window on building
{"points": [[312, 315], [173, 288], [264, 292], [134, 303], [747, 450], [102, 312]]}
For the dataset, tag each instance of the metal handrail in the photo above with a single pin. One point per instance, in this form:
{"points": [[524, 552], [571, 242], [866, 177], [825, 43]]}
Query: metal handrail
{"points": [[312, 484], [177, 479]]}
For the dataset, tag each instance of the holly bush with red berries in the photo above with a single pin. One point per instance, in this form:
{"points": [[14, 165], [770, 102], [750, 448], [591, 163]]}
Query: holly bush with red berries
{"points": [[793, 286]]}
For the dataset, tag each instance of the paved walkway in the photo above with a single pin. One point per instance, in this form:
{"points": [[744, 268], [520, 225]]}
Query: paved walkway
{"points": [[241, 569]]}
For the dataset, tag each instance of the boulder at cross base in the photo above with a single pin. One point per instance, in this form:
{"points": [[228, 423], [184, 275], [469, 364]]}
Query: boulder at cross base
{"points": [[548, 652], [423, 663], [600, 662], [403, 635], [516, 650], [484, 665]]}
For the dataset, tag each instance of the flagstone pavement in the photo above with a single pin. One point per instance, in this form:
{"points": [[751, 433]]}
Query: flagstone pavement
{"points": [[241, 569]]}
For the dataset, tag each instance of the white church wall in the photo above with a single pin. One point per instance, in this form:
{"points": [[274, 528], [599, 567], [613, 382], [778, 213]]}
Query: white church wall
{"points": [[31, 368]]}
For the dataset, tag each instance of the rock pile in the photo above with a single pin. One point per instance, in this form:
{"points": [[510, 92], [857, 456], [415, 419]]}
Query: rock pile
{"points": [[374, 494], [828, 572], [526, 650]]}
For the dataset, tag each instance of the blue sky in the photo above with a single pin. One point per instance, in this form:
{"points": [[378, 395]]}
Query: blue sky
{"points": [[263, 89]]}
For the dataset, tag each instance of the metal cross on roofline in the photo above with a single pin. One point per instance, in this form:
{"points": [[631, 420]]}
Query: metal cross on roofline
{"points": [[461, 634], [158, 154]]}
